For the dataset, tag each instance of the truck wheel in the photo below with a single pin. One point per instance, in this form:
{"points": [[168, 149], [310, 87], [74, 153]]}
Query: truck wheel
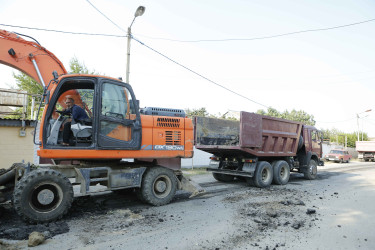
{"points": [[312, 170], [281, 172], [263, 174], [159, 186], [42, 196], [223, 177], [341, 160]]}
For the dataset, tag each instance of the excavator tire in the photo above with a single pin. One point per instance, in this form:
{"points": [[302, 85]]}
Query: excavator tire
{"points": [[159, 186], [42, 195]]}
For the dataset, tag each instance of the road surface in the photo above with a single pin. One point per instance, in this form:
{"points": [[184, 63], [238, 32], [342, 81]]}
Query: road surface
{"points": [[336, 211]]}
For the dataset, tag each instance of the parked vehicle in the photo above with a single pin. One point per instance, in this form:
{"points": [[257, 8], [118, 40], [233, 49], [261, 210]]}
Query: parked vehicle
{"points": [[338, 155], [366, 150], [259, 148]]}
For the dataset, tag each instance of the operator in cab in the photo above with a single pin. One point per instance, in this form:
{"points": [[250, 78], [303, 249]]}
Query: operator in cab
{"points": [[78, 114]]}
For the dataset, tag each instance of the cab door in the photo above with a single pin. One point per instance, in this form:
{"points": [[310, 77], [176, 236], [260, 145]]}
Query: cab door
{"points": [[316, 139], [119, 119]]}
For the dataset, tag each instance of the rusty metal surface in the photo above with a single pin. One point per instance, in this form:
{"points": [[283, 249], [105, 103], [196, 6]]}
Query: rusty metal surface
{"points": [[216, 132], [251, 130], [257, 135]]}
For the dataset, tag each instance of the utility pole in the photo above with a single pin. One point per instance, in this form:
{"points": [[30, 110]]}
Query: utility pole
{"points": [[139, 12]]}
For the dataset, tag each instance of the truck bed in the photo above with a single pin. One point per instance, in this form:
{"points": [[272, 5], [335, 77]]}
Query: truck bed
{"points": [[253, 135], [365, 146]]}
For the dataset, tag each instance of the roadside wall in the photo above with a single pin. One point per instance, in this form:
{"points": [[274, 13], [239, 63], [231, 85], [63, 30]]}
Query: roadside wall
{"points": [[13, 147], [200, 159]]}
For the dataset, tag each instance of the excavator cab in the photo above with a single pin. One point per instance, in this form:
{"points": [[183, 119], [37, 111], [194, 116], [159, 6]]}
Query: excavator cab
{"points": [[114, 122]]}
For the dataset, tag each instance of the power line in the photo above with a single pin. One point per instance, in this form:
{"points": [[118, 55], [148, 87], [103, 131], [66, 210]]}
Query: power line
{"points": [[198, 74], [106, 16], [264, 37], [189, 41], [60, 31]]}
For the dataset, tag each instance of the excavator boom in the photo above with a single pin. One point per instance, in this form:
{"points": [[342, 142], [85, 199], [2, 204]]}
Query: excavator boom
{"points": [[29, 57]]}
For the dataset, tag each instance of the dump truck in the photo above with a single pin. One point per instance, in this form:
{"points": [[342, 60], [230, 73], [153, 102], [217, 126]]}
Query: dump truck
{"points": [[366, 150], [117, 145], [258, 148]]}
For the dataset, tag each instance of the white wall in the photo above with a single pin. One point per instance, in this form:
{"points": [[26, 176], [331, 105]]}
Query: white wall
{"points": [[200, 159]]}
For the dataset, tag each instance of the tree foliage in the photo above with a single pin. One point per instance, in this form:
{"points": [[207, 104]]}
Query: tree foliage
{"points": [[77, 67], [197, 112], [335, 135], [294, 115], [26, 83]]}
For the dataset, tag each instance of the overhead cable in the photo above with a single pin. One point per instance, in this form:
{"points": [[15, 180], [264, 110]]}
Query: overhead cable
{"points": [[106, 16], [194, 41], [261, 38], [200, 75], [60, 31]]}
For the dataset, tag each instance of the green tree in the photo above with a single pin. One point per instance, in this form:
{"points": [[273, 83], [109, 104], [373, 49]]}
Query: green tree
{"points": [[294, 115], [197, 112], [26, 83], [335, 135], [77, 67]]}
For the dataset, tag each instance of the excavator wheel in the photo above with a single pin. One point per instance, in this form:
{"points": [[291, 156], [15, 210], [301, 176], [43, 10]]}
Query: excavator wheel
{"points": [[42, 195], [159, 186]]}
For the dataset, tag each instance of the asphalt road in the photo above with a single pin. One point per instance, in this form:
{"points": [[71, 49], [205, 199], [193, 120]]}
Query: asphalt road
{"points": [[336, 211]]}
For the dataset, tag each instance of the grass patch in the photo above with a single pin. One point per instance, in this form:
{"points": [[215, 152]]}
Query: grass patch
{"points": [[194, 171]]}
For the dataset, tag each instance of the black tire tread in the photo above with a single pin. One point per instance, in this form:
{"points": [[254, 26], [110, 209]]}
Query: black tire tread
{"points": [[257, 178], [23, 183], [223, 177], [276, 170], [145, 193]]}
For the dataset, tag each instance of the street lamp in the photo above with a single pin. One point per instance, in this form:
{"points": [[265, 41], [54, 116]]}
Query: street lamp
{"points": [[369, 110], [139, 12]]}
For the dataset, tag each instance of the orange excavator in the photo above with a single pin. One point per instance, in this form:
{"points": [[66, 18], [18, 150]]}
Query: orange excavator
{"points": [[118, 146]]}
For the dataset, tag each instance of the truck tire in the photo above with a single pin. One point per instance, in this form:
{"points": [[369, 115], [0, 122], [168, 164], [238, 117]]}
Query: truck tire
{"points": [[159, 186], [42, 196], [312, 170], [263, 174], [281, 172], [223, 177]]}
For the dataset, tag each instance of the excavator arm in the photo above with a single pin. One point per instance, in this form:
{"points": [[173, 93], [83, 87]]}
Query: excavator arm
{"points": [[29, 57], [35, 61]]}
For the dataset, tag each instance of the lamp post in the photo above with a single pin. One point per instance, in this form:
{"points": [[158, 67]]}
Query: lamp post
{"points": [[139, 12], [369, 110]]}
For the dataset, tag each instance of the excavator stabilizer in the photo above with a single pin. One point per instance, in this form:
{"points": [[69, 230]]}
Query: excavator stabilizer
{"points": [[190, 186]]}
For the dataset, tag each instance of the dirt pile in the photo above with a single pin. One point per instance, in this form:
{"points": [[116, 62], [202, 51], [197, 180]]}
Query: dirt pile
{"points": [[13, 228], [279, 210]]}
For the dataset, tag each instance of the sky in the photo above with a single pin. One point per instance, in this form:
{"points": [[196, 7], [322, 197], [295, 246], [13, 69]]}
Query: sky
{"points": [[326, 73]]}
